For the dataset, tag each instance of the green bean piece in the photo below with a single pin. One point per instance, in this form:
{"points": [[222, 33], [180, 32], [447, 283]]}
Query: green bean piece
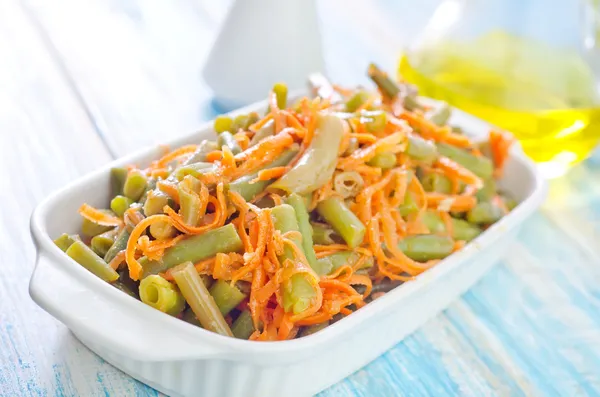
{"points": [[189, 200], [135, 185], [119, 245], [385, 160], [241, 122], [311, 329], [317, 164], [488, 191], [155, 202], [440, 115], [421, 149], [162, 230], [157, 292], [87, 258], [409, 206], [65, 240], [265, 131], [243, 326], [387, 86], [200, 300], [377, 122], [461, 229], [227, 139], [348, 183], [250, 190], [325, 265], [298, 292], [190, 318], [194, 169], [302, 216], [101, 243], [124, 288], [195, 248], [223, 124], [323, 234], [485, 213], [226, 296], [91, 229], [349, 258], [425, 247], [356, 101], [117, 179], [199, 155], [437, 183], [119, 204], [343, 221], [281, 93], [480, 166]]}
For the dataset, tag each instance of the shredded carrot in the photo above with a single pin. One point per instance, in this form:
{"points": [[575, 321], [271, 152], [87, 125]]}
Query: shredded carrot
{"points": [[271, 173], [99, 217], [500, 144], [117, 260], [164, 161], [444, 202], [213, 156], [169, 189], [135, 269]]}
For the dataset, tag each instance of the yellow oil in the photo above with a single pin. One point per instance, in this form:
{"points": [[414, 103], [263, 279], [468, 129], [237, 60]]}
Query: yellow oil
{"points": [[551, 108]]}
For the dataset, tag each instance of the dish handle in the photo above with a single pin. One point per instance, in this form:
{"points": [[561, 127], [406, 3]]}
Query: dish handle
{"points": [[117, 322]]}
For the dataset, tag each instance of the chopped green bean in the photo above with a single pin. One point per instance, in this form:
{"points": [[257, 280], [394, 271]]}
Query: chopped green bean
{"points": [[343, 221], [195, 169], [317, 164], [155, 202], [91, 229], [349, 258], [199, 155], [479, 165], [195, 248], [135, 185], [488, 191], [421, 149], [227, 139], [101, 243], [119, 245], [383, 160], [87, 258], [323, 234], [65, 240], [409, 206], [305, 228], [119, 204], [265, 131], [243, 326], [348, 183], [281, 93], [222, 124], [374, 120], [197, 296], [162, 230], [387, 86], [250, 190], [226, 296], [157, 292], [117, 179], [461, 229], [356, 101], [437, 183], [485, 213], [189, 199], [426, 247], [440, 115]]}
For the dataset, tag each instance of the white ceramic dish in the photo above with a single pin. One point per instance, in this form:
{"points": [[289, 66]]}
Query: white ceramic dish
{"points": [[182, 360]]}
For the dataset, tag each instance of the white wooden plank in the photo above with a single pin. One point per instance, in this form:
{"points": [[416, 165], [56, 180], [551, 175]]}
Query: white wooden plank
{"points": [[46, 140]]}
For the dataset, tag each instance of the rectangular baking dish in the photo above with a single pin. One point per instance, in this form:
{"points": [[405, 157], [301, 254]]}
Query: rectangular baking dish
{"points": [[183, 360]]}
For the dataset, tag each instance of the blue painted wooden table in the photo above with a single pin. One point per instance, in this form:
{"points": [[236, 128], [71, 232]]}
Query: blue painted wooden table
{"points": [[84, 82]]}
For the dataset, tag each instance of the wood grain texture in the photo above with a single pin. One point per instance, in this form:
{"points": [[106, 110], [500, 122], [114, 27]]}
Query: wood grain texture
{"points": [[126, 73]]}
